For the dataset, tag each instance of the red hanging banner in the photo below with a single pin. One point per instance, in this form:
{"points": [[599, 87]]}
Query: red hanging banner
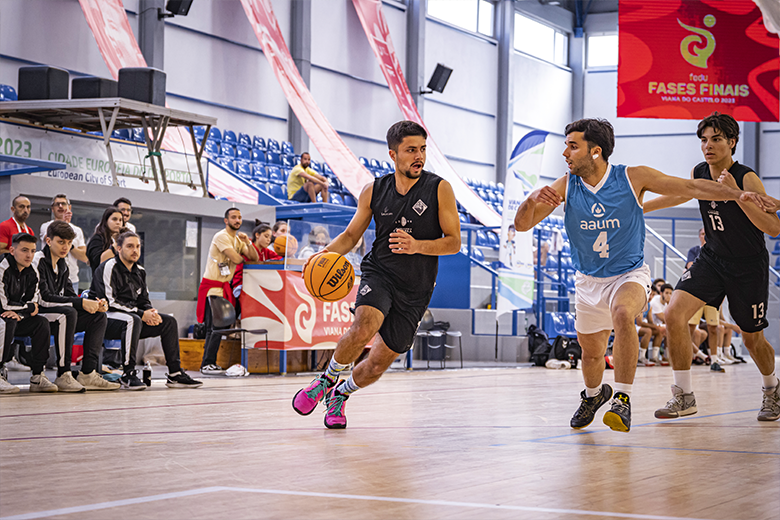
{"points": [[378, 34], [339, 157], [687, 59]]}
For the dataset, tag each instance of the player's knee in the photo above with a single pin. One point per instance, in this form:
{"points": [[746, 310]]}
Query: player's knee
{"points": [[752, 340], [621, 314]]}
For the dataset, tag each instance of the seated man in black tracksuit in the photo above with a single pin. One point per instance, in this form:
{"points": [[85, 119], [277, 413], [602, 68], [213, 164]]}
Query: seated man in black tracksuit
{"points": [[19, 313], [68, 313], [122, 282]]}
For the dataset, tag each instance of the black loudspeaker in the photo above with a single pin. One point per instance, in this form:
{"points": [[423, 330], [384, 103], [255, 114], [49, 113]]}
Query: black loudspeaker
{"points": [[93, 88], [440, 78], [179, 7], [42, 82], [142, 84]]}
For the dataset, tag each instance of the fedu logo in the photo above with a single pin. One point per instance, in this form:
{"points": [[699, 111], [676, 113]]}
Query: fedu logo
{"points": [[690, 46], [597, 209]]}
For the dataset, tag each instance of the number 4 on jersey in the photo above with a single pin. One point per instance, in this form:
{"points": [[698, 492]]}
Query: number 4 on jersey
{"points": [[601, 246]]}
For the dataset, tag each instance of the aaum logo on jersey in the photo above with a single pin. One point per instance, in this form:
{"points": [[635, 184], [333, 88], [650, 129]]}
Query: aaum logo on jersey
{"points": [[598, 211]]}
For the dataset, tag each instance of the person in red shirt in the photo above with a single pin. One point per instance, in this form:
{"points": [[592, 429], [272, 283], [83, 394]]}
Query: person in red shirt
{"points": [[262, 236], [20, 209]]}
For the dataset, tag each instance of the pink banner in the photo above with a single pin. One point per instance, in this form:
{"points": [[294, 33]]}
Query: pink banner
{"points": [[335, 152], [375, 27], [108, 21]]}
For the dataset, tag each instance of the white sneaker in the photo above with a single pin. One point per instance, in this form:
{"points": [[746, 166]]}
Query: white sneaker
{"points": [[16, 366], [40, 383], [723, 360], [66, 383], [212, 370], [94, 381], [6, 387]]}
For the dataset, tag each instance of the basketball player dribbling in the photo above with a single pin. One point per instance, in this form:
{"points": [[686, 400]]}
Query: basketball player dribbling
{"points": [[417, 221], [605, 224], [733, 263]]}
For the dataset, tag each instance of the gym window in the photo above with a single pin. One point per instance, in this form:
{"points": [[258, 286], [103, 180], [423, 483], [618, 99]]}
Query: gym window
{"points": [[471, 15], [541, 41], [602, 50]]}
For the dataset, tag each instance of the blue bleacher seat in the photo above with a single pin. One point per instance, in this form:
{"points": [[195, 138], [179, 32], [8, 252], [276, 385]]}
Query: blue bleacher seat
{"points": [[259, 143], [500, 187], [277, 191], [493, 239], [482, 194], [212, 148], [8, 93], [776, 250], [777, 263], [492, 197], [228, 163], [316, 166], [287, 148], [374, 164], [258, 172], [243, 153], [364, 161], [482, 239], [229, 136], [215, 135], [200, 131], [326, 170], [273, 146], [464, 219], [386, 166], [227, 150], [337, 199], [244, 169], [273, 158], [552, 262], [124, 133], [245, 140], [349, 200], [477, 254], [286, 174], [138, 135], [258, 155], [287, 161], [275, 174]]}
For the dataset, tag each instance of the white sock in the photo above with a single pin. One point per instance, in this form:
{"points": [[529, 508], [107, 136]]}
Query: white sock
{"points": [[656, 352], [623, 387], [642, 354], [682, 378], [771, 380], [592, 392], [719, 352]]}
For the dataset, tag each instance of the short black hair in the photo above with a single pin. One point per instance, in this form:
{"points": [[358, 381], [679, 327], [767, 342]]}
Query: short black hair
{"points": [[402, 129], [227, 212], [22, 237], [724, 124], [655, 282], [13, 202], [122, 200], [61, 229], [59, 196], [597, 132], [305, 153], [667, 286], [120, 239], [262, 228]]}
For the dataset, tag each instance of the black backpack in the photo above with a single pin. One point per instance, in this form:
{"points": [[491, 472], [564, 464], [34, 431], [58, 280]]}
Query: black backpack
{"points": [[567, 349], [538, 345]]}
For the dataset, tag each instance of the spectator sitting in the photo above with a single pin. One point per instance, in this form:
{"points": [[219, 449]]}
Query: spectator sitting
{"points": [[318, 239], [656, 316], [304, 184], [126, 207], [61, 210], [279, 229], [261, 239], [68, 314], [101, 245], [19, 313], [20, 211], [131, 317]]}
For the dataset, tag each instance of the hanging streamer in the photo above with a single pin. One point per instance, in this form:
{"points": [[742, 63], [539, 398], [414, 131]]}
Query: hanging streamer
{"points": [[339, 157], [378, 34]]}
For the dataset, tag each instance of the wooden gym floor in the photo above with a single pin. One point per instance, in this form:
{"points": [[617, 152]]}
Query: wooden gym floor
{"points": [[487, 443]]}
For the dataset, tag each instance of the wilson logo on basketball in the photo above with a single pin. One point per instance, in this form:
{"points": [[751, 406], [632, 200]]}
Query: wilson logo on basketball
{"points": [[334, 280]]}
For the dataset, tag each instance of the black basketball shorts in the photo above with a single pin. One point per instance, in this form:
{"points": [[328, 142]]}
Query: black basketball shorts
{"points": [[403, 309], [744, 282]]}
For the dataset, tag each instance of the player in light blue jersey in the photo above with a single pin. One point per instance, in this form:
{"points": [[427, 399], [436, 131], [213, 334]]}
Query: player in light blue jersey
{"points": [[603, 217]]}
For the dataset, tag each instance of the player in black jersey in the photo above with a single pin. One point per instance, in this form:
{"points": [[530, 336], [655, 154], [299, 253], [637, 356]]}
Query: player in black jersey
{"points": [[417, 221], [733, 263]]}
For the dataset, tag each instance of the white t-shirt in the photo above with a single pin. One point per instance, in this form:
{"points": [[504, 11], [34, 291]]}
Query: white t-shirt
{"points": [[73, 264], [130, 226], [657, 306]]}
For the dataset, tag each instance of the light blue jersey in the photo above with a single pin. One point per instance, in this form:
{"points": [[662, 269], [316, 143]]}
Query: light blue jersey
{"points": [[605, 224]]}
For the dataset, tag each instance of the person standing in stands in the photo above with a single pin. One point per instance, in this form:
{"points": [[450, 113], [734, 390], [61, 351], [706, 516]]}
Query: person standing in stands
{"points": [[60, 209], [19, 313], [606, 227], [20, 211], [228, 249], [304, 183], [67, 313], [417, 221], [101, 245], [126, 207], [122, 283], [733, 263]]}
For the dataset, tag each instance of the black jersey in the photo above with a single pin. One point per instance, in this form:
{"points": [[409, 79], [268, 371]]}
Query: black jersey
{"points": [[417, 213], [729, 231]]}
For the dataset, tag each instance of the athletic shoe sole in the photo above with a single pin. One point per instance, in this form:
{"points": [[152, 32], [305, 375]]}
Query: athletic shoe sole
{"points": [[132, 388], [688, 411], [615, 422], [171, 384]]}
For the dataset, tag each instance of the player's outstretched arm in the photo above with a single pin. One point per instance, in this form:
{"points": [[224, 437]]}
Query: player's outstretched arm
{"points": [[403, 243], [664, 201], [539, 204], [754, 202]]}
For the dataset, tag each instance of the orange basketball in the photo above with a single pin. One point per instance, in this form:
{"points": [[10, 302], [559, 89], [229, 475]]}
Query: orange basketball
{"points": [[281, 248], [329, 277]]}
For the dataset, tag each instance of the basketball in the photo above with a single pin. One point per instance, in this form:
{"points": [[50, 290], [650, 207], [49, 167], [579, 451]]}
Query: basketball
{"points": [[329, 277], [281, 248]]}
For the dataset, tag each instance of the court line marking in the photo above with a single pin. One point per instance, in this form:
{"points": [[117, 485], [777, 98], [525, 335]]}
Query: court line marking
{"points": [[446, 503], [670, 448]]}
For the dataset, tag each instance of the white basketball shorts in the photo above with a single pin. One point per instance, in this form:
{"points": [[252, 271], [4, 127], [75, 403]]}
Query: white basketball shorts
{"points": [[593, 298]]}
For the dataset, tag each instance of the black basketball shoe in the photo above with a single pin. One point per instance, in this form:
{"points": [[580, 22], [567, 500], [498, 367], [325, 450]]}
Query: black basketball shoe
{"points": [[589, 406]]}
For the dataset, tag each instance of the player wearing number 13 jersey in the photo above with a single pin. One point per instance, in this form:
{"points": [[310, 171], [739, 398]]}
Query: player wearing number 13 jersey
{"points": [[603, 216], [733, 263]]}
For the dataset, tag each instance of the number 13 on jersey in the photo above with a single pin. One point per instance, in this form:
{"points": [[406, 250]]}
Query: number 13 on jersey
{"points": [[717, 223], [601, 246]]}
